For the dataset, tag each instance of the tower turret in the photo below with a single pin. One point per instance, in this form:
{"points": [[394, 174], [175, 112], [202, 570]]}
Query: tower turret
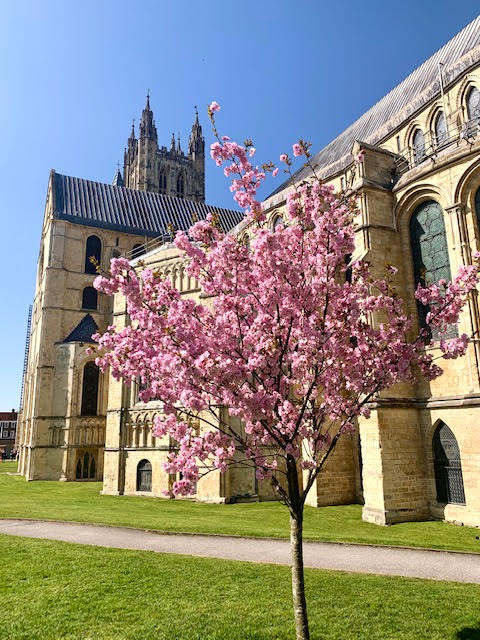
{"points": [[147, 123], [196, 151], [130, 157], [147, 174]]}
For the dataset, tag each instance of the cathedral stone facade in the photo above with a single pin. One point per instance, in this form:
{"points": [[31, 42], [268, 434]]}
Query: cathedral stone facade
{"points": [[418, 190]]}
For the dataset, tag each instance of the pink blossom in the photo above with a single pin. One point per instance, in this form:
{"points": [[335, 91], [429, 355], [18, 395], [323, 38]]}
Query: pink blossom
{"points": [[283, 157], [275, 172], [214, 106], [297, 149]]}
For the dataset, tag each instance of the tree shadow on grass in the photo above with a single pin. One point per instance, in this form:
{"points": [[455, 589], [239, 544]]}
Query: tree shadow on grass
{"points": [[469, 633]]}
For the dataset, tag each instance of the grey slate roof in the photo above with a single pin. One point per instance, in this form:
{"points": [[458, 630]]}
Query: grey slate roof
{"points": [[421, 86], [138, 212], [117, 179], [83, 331]]}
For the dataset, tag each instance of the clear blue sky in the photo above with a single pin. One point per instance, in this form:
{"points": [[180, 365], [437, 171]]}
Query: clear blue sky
{"points": [[74, 74]]}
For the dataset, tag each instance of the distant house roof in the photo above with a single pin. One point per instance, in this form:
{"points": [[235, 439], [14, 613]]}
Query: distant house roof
{"points": [[407, 98], [138, 212], [8, 415], [84, 330]]}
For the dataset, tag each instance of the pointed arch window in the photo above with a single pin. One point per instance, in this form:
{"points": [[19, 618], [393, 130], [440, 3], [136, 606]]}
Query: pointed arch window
{"points": [[180, 185], [430, 253], [93, 254], [473, 104], [90, 298], [477, 209], [144, 476], [86, 467], [440, 129], [163, 181], [418, 142], [447, 466], [278, 220], [90, 389]]}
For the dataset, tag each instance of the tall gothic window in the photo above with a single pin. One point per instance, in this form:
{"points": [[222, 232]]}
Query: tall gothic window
{"points": [[93, 254], [144, 476], [90, 389], [90, 298], [440, 129], [418, 142], [180, 185], [163, 181], [430, 252], [86, 467], [473, 103], [477, 209], [447, 466]]}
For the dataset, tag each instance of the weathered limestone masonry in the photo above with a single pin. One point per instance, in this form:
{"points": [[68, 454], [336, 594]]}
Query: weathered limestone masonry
{"points": [[418, 190]]}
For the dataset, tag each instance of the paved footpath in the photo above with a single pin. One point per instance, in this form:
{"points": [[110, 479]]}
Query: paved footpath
{"points": [[394, 561]]}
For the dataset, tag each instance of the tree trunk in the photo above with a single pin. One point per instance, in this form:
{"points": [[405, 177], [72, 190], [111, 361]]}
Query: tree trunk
{"points": [[296, 545]]}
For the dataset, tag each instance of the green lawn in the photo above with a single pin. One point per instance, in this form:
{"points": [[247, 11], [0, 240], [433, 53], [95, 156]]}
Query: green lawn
{"points": [[59, 591], [82, 502]]}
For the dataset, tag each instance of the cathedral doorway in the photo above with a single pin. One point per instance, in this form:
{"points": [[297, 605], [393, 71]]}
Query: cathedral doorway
{"points": [[448, 467], [144, 476]]}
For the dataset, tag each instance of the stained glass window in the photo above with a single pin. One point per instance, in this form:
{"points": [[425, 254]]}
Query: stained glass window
{"points": [[93, 254], [430, 252], [473, 103], [90, 389], [163, 182], [448, 466], [89, 298], [418, 146], [440, 129], [180, 185]]}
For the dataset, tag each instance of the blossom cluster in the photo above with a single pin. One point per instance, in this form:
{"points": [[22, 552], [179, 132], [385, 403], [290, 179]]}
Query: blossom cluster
{"points": [[284, 356]]}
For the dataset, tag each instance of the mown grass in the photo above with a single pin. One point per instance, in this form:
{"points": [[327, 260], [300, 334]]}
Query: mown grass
{"points": [[59, 591], [82, 502]]}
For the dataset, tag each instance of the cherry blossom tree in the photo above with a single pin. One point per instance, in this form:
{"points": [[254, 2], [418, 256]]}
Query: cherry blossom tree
{"points": [[290, 339]]}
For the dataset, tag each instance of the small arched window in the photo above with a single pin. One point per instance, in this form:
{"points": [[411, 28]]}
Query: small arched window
{"points": [[180, 185], [144, 476], [86, 467], [93, 254], [278, 220], [473, 104], [448, 466], [163, 181], [138, 250], [90, 389], [246, 241], [440, 129], [418, 143], [90, 298], [430, 252]]}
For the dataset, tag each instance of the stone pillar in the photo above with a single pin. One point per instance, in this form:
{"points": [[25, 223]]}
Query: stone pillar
{"points": [[393, 464]]}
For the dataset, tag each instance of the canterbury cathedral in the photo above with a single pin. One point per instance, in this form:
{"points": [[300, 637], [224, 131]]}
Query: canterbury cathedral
{"points": [[418, 191]]}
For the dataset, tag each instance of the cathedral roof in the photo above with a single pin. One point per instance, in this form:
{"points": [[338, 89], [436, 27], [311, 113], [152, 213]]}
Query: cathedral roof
{"points": [[138, 212], [406, 99]]}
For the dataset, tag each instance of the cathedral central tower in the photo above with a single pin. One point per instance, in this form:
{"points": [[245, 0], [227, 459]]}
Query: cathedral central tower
{"points": [[149, 167]]}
